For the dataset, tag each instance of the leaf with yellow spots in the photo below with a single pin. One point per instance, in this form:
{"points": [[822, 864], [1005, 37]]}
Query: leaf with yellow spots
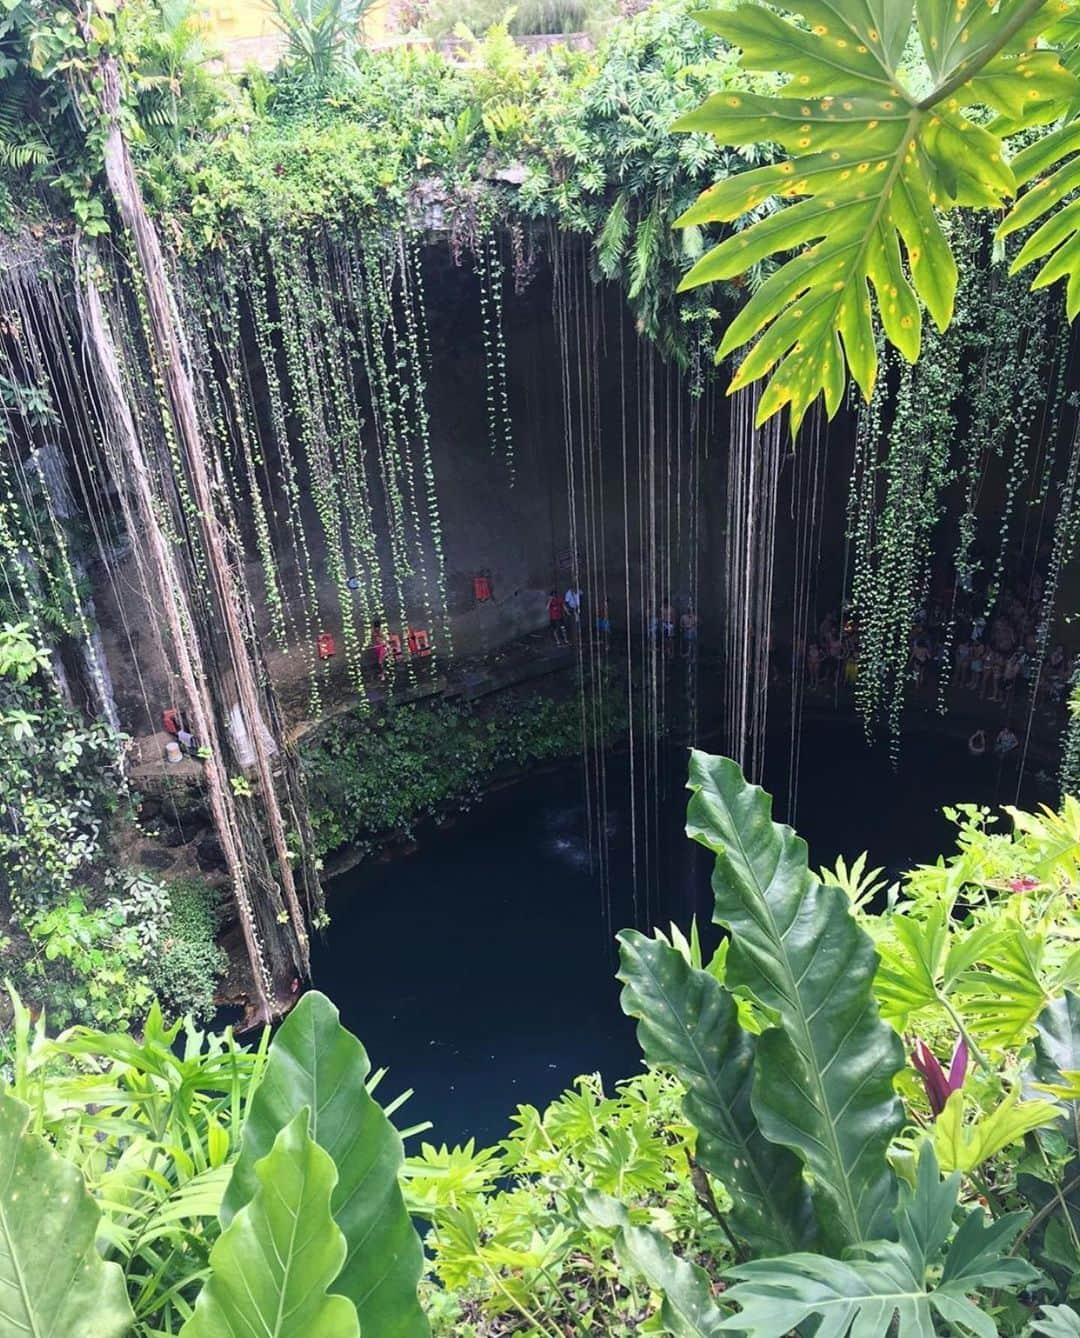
{"points": [[1049, 169], [873, 165], [52, 1279]]}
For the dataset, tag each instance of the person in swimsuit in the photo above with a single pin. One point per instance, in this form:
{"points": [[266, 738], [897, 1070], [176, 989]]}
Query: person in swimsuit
{"points": [[1005, 742]]}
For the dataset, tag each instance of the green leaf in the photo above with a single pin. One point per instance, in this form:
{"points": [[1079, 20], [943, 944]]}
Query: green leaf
{"points": [[1057, 1321], [688, 1309], [1050, 171], [1001, 1000], [1057, 1052], [272, 1268], [824, 1078], [964, 1147], [53, 1282], [873, 165], [911, 965], [887, 1283], [688, 1024], [315, 1063], [611, 243]]}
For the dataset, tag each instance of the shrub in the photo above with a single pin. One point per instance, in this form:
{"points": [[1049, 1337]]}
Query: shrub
{"points": [[185, 971]]}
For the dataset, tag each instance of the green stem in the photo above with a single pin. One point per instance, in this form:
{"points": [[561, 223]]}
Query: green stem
{"points": [[1058, 1201], [967, 70], [965, 1035]]}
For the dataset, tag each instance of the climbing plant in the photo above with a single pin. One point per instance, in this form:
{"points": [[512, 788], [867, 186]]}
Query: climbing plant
{"points": [[60, 780]]}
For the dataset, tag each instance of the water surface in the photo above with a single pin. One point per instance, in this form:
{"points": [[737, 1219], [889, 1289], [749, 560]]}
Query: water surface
{"points": [[480, 968]]}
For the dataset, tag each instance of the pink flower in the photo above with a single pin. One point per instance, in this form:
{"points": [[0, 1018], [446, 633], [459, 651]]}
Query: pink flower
{"points": [[939, 1084], [1022, 884]]}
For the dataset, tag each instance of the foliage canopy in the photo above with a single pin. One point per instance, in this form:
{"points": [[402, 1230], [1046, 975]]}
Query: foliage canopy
{"points": [[893, 115]]}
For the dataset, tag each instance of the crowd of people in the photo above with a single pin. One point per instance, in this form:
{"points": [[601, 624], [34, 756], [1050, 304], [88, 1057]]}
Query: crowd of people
{"points": [[667, 627], [993, 658]]}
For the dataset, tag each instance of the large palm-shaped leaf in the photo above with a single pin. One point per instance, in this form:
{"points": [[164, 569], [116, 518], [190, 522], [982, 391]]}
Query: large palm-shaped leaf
{"points": [[873, 163], [688, 1024], [272, 1271], [52, 1280], [888, 1287], [315, 1063], [824, 1077], [1048, 169]]}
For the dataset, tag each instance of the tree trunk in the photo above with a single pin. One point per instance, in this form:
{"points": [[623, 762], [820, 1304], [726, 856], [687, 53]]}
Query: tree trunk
{"points": [[169, 349], [171, 592]]}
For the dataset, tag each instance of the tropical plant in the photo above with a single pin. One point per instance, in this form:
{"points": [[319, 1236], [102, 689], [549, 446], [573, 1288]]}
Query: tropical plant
{"points": [[893, 115], [152, 1124], [274, 1263], [778, 1145], [316, 1066], [321, 35], [59, 779], [54, 1280]]}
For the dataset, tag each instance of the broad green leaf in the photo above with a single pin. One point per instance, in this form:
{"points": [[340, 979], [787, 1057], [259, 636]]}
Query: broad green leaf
{"points": [[315, 1063], [911, 965], [885, 1283], [688, 1309], [688, 1024], [1002, 998], [1057, 1321], [1057, 1054], [823, 1081], [964, 1147], [272, 1269], [874, 164], [53, 1282], [1050, 171]]}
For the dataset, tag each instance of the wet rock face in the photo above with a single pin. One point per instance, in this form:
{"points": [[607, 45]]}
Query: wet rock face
{"points": [[209, 854]]}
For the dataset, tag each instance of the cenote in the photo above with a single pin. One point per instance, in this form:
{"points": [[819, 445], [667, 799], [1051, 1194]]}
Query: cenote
{"points": [[480, 969], [448, 452]]}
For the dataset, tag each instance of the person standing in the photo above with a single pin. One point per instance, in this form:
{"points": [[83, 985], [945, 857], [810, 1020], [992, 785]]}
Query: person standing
{"points": [[689, 626], [572, 601], [603, 626], [557, 619], [667, 624]]}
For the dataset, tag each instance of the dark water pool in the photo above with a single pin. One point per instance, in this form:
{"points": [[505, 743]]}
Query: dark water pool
{"points": [[480, 968]]}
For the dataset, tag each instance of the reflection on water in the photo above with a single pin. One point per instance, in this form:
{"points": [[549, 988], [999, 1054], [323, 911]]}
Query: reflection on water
{"points": [[480, 968]]}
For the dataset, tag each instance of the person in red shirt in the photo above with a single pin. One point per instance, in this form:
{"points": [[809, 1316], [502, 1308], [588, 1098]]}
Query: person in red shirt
{"points": [[557, 618]]}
